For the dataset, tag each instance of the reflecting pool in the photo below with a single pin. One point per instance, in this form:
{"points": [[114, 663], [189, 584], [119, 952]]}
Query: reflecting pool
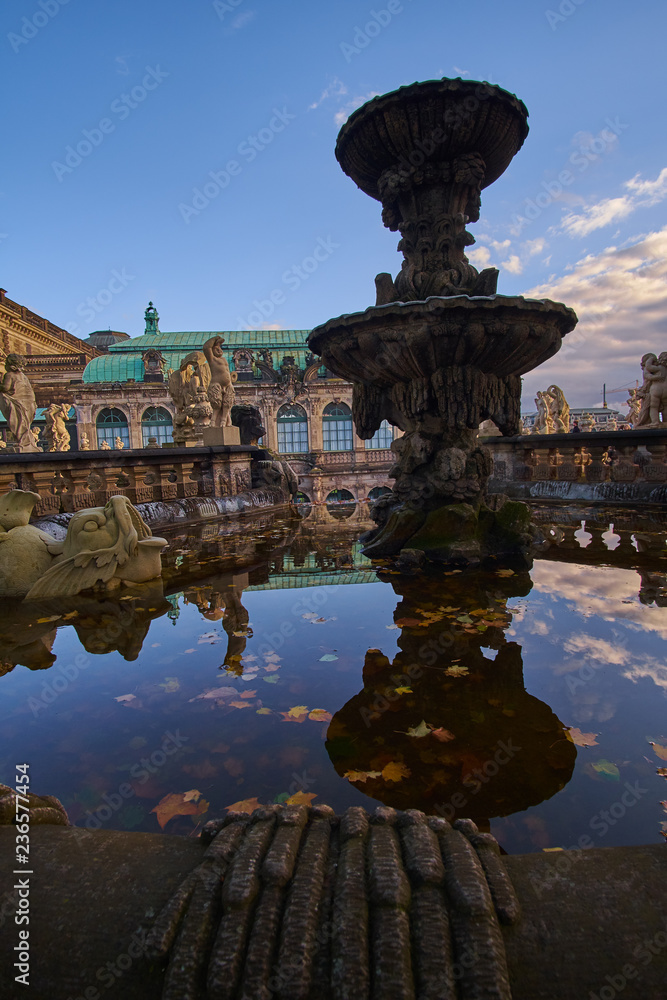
{"points": [[276, 662]]}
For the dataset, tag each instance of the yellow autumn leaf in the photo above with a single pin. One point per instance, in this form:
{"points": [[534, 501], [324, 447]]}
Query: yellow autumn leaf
{"points": [[244, 806], [361, 775], [395, 771], [659, 750], [319, 715], [456, 671], [576, 736], [264, 711], [298, 710], [301, 799], [403, 690]]}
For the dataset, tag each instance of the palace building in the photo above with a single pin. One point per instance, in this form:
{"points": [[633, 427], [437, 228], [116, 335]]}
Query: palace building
{"points": [[306, 410]]}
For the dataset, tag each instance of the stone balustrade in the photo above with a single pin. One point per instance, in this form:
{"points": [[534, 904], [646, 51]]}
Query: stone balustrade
{"points": [[355, 459], [609, 466], [71, 481]]}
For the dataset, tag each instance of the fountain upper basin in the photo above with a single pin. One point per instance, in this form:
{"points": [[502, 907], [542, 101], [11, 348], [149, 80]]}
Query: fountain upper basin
{"points": [[454, 117], [498, 335]]}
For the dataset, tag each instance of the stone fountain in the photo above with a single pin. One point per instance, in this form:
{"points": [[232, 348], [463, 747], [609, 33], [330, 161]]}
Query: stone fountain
{"points": [[440, 352]]}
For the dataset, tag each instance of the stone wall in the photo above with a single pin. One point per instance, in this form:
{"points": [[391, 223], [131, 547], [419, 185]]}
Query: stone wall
{"points": [[610, 467]]}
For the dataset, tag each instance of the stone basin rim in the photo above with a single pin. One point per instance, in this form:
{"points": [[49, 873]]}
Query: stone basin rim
{"points": [[441, 304]]}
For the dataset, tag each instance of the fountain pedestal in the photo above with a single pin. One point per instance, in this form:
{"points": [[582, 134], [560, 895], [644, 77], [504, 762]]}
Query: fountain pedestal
{"points": [[440, 352]]}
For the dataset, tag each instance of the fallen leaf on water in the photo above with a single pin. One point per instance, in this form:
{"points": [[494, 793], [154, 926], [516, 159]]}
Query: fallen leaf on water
{"points": [[607, 769], [137, 743], [575, 735], [271, 668], [395, 771], [297, 714], [423, 729], [443, 735], [71, 614], [170, 684], [273, 679], [51, 618], [243, 634], [244, 806], [328, 657], [240, 704], [319, 715], [456, 671], [504, 572], [310, 614], [217, 694], [301, 799], [125, 697], [662, 771], [659, 750], [549, 850], [465, 618], [361, 775], [180, 804], [248, 694], [189, 650], [264, 711], [403, 690]]}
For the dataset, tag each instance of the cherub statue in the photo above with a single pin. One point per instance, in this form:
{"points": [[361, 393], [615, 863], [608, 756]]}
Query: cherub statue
{"points": [[119, 444], [84, 441], [56, 435], [105, 446], [558, 409], [654, 391], [17, 402], [221, 388]]}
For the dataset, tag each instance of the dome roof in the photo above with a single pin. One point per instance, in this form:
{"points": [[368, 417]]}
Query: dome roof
{"points": [[103, 339]]}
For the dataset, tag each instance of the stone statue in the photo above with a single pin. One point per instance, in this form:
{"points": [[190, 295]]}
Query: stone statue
{"points": [[275, 475], [635, 404], [105, 446], [558, 409], [221, 387], [105, 546], [188, 388], [56, 435], [587, 423], [17, 402], [543, 421], [84, 441], [553, 413], [119, 444], [653, 393]]}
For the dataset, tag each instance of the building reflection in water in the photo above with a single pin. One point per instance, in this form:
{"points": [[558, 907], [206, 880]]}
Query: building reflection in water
{"points": [[452, 710]]}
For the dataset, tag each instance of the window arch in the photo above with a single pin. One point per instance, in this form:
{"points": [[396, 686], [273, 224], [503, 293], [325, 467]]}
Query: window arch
{"points": [[112, 423], [156, 422], [382, 437], [292, 429], [337, 427], [341, 503], [378, 491]]}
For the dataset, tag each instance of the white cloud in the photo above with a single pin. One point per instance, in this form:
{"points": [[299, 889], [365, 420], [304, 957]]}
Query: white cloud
{"points": [[533, 247], [513, 264], [641, 194], [620, 296], [461, 72], [480, 257], [335, 89], [341, 116], [242, 19]]}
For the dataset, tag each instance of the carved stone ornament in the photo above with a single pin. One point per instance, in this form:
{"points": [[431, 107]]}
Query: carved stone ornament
{"points": [[17, 403], [104, 547]]}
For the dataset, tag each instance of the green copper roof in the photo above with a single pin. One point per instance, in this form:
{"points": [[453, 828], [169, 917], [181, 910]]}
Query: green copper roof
{"points": [[124, 359]]}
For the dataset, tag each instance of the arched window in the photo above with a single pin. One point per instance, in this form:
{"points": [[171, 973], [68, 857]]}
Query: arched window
{"points": [[156, 423], [382, 437], [377, 492], [337, 427], [292, 429], [112, 423], [341, 503]]}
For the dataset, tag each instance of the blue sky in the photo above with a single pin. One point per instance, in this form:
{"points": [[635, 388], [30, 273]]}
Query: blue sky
{"points": [[171, 93]]}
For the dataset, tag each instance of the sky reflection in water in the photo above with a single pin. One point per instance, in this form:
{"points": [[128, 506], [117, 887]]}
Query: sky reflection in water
{"points": [[286, 673]]}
